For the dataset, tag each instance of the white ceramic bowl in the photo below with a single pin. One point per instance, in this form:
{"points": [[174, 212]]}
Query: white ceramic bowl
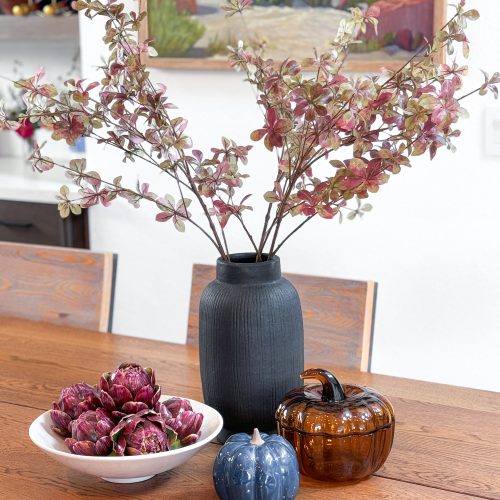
{"points": [[124, 469]]}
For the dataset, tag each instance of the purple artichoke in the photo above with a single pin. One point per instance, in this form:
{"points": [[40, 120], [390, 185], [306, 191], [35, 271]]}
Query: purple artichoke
{"points": [[73, 401], [187, 425], [128, 390], [141, 434], [179, 415], [90, 433], [173, 406]]}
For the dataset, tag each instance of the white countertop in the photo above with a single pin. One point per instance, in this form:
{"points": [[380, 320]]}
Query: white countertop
{"points": [[18, 181]]}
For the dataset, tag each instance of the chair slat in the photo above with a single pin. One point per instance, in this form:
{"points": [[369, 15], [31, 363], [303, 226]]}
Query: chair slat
{"points": [[63, 286], [338, 316]]}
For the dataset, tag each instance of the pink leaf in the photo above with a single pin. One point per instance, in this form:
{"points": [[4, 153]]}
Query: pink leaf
{"points": [[164, 216]]}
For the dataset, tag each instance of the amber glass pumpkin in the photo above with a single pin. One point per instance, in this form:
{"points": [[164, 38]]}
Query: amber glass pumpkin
{"points": [[340, 432]]}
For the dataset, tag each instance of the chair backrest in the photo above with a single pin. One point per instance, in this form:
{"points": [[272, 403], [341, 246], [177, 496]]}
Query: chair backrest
{"points": [[338, 317], [64, 286]]}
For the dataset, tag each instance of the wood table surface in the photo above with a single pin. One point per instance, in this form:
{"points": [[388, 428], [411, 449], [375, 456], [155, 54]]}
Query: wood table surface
{"points": [[447, 443]]}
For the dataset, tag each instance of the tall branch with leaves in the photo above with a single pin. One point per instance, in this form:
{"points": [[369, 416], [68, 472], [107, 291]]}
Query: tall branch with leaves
{"points": [[337, 138]]}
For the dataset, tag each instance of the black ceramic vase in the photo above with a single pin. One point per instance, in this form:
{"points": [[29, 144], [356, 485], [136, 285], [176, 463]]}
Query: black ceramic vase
{"points": [[251, 342]]}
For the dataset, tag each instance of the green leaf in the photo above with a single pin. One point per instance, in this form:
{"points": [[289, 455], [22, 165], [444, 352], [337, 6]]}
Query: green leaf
{"points": [[465, 49], [472, 14], [166, 165], [94, 174], [428, 101], [367, 207], [170, 199], [384, 153], [80, 5], [179, 225], [63, 210], [337, 164], [441, 36], [271, 197], [357, 162], [75, 209], [78, 165]]}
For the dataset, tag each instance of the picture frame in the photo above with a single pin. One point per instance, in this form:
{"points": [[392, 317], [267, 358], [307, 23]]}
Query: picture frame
{"points": [[363, 62]]}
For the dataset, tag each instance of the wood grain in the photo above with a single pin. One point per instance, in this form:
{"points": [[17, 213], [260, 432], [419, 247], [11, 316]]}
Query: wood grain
{"points": [[58, 285], [25, 352], [337, 313], [447, 443], [26, 470]]}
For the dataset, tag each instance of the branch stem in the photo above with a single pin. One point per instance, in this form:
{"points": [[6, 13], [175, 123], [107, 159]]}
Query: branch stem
{"points": [[121, 189]]}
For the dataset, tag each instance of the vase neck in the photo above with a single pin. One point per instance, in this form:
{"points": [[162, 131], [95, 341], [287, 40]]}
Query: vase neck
{"points": [[243, 270]]}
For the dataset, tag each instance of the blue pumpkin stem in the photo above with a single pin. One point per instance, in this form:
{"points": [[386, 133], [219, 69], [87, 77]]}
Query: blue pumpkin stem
{"points": [[256, 438], [332, 388]]}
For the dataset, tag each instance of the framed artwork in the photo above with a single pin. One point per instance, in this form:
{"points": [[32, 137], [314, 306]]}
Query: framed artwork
{"points": [[194, 34]]}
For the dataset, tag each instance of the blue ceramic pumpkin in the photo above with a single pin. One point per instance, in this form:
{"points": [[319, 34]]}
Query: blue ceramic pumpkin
{"points": [[258, 467]]}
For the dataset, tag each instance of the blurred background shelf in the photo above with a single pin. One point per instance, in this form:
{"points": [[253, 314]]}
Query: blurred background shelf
{"points": [[13, 28]]}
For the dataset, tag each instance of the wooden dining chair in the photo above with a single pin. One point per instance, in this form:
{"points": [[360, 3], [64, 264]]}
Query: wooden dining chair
{"points": [[63, 286], [338, 317]]}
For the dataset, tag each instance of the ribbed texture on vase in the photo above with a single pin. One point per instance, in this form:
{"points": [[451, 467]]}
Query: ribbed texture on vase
{"points": [[251, 349]]}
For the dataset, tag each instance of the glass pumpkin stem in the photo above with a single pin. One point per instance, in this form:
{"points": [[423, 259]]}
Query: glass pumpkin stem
{"points": [[332, 388], [256, 438]]}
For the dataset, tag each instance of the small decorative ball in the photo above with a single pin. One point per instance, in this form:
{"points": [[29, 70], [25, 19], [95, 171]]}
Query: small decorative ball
{"points": [[18, 10], [49, 10], [255, 467]]}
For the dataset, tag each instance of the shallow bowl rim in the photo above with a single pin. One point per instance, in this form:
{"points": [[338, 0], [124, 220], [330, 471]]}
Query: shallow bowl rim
{"points": [[131, 458]]}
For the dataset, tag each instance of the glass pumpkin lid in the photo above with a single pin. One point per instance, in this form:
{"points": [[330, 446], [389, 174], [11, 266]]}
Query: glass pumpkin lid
{"points": [[333, 409]]}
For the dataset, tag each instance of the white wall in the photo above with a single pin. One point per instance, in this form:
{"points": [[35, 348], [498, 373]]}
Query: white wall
{"points": [[431, 241]]}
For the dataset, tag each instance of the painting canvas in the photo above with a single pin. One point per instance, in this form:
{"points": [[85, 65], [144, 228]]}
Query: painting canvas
{"points": [[195, 33]]}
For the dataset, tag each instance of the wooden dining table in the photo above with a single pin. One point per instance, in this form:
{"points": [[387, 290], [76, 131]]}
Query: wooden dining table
{"points": [[447, 442]]}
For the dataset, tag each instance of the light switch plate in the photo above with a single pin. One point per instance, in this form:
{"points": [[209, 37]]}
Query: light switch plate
{"points": [[492, 131]]}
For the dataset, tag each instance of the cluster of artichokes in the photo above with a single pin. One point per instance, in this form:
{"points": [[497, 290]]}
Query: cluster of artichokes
{"points": [[123, 416]]}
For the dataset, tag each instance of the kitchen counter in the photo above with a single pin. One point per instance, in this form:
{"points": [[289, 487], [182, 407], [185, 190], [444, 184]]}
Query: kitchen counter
{"points": [[18, 181]]}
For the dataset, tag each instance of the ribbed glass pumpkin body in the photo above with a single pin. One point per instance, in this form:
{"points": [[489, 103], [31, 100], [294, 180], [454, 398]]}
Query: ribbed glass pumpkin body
{"points": [[245, 471], [342, 440]]}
